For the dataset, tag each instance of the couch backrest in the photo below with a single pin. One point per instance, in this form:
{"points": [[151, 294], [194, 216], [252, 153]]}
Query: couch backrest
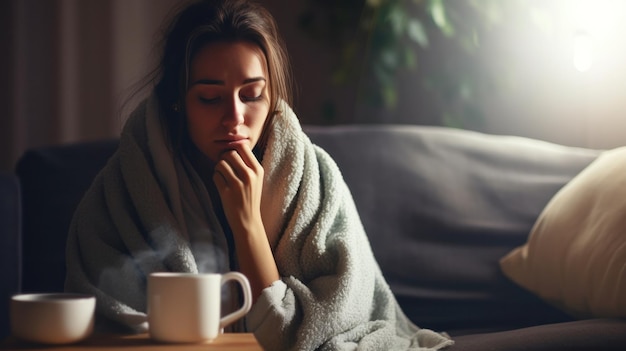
{"points": [[53, 181]]}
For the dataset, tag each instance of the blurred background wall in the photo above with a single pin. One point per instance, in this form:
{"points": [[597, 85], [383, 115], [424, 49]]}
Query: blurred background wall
{"points": [[68, 66]]}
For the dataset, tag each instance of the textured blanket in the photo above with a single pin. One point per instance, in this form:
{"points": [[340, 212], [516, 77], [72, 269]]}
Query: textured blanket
{"points": [[147, 210]]}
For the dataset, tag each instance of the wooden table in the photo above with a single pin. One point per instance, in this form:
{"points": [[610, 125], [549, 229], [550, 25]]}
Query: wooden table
{"points": [[224, 342]]}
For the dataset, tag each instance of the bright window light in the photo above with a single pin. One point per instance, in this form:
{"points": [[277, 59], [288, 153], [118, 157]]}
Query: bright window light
{"points": [[595, 26], [583, 52]]}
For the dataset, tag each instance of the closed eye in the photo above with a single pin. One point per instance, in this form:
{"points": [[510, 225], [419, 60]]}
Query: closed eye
{"points": [[252, 92], [209, 100], [252, 98]]}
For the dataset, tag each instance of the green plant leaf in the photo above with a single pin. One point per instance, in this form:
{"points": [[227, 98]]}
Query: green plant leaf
{"points": [[390, 96], [409, 57], [389, 58], [438, 14], [397, 20], [417, 33]]}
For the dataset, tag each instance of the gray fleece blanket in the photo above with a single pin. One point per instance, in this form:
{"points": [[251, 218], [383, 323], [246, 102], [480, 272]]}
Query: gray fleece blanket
{"points": [[148, 210]]}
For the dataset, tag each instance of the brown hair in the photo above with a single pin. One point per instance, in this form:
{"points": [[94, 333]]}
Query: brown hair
{"points": [[205, 21]]}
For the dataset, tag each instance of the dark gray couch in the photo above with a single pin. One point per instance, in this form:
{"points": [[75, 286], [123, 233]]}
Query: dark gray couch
{"points": [[441, 206], [10, 244]]}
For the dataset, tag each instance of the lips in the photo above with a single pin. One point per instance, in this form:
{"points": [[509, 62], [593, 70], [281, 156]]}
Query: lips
{"points": [[232, 140]]}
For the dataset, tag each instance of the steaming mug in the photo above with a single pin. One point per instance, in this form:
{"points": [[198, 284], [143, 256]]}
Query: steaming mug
{"points": [[185, 307]]}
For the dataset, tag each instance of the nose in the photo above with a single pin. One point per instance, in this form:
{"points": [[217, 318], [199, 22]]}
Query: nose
{"points": [[234, 114]]}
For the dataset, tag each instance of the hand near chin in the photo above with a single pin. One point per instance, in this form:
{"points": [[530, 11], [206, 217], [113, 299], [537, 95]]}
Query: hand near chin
{"points": [[238, 178]]}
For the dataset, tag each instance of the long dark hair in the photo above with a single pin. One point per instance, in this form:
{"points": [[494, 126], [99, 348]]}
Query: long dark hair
{"points": [[205, 21]]}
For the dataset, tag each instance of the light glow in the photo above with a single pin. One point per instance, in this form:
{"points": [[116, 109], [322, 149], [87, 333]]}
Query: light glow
{"points": [[583, 52], [595, 26]]}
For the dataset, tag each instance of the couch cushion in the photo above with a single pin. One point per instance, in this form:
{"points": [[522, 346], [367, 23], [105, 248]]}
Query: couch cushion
{"points": [[53, 181], [591, 334], [575, 257], [441, 207]]}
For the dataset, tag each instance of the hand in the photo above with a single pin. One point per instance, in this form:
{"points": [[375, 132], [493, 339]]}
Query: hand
{"points": [[238, 178]]}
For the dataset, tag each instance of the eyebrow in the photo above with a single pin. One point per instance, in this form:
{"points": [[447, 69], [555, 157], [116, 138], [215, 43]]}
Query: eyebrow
{"points": [[221, 82]]}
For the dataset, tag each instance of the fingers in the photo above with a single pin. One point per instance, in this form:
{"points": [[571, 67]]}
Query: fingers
{"points": [[237, 166], [219, 179], [244, 153]]}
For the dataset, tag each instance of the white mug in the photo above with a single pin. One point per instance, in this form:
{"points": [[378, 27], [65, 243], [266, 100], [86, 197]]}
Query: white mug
{"points": [[185, 307], [54, 318]]}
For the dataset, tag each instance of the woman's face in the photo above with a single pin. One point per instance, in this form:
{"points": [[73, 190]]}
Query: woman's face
{"points": [[227, 100]]}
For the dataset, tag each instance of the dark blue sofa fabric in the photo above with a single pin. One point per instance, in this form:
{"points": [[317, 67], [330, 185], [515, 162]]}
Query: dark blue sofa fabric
{"points": [[10, 258], [53, 181]]}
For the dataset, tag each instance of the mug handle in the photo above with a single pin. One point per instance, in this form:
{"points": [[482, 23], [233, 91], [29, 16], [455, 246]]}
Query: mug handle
{"points": [[247, 298]]}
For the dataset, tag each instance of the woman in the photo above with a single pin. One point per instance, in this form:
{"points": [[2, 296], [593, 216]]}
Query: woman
{"points": [[213, 173]]}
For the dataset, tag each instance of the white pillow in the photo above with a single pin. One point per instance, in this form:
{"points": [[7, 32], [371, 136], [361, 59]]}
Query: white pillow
{"points": [[575, 257]]}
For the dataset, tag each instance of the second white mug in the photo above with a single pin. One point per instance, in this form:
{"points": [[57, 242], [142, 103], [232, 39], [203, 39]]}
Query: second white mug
{"points": [[185, 307]]}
